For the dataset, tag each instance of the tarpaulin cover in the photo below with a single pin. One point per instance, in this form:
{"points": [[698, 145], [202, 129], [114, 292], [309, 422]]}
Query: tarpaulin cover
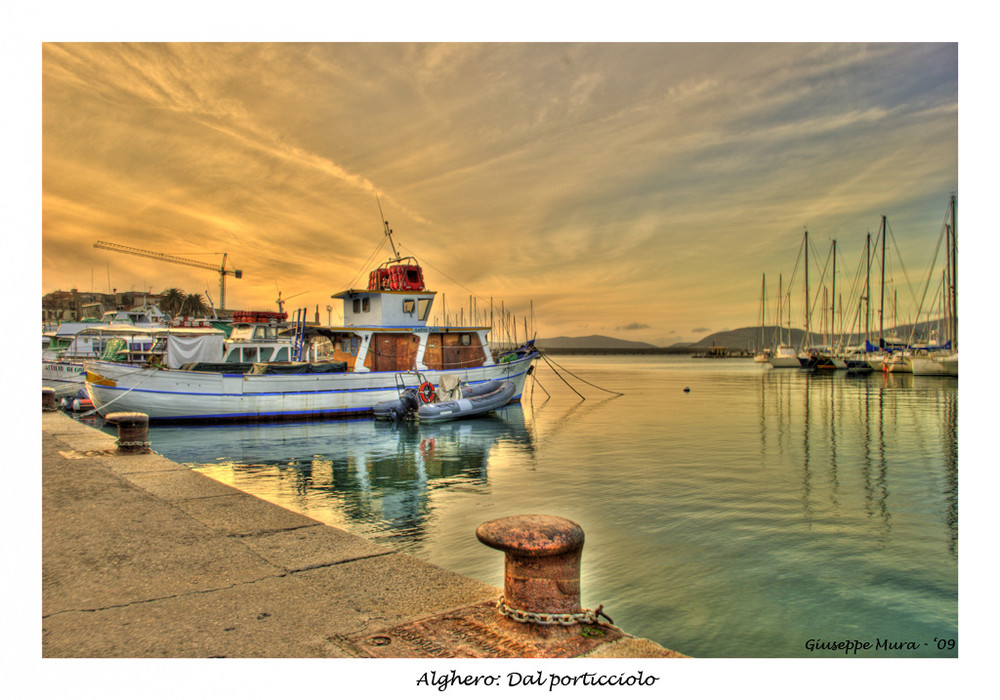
{"points": [[182, 350], [222, 367], [448, 388], [299, 368]]}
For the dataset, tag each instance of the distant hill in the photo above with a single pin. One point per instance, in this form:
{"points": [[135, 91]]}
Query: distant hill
{"points": [[596, 342], [747, 338]]}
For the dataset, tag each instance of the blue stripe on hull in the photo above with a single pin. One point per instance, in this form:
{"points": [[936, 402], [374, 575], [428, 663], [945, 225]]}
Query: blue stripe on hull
{"points": [[288, 414]]}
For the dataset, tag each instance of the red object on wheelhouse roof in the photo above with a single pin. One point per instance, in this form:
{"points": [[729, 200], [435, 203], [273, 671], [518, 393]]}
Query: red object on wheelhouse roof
{"points": [[397, 275]]}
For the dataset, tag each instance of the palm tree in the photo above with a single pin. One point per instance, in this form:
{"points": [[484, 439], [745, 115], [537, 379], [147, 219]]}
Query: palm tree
{"points": [[193, 305], [171, 301]]}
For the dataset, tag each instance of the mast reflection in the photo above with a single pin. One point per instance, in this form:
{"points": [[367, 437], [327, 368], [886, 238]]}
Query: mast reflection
{"points": [[841, 433]]}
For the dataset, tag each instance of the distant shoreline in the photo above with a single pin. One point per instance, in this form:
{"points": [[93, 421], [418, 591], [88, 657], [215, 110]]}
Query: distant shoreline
{"points": [[623, 351]]}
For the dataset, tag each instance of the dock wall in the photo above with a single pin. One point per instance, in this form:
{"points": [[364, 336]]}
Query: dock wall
{"points": [[145, 558]]}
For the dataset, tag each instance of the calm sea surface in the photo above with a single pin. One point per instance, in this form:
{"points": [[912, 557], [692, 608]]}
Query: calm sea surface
{"points": [[758, 511]]}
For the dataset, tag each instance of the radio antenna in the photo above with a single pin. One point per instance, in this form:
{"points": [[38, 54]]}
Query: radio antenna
{"points": [[388, 231]]}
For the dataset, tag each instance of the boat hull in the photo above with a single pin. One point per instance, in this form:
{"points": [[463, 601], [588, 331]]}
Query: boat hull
{"points": [[943, 366], [181, 395], [65, 378]]}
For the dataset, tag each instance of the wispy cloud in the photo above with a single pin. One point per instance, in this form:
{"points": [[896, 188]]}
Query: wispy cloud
{"points": [[657, 180]]}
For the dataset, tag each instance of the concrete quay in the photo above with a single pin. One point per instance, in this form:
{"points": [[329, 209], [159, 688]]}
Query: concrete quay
{"points": [[144, 558]]}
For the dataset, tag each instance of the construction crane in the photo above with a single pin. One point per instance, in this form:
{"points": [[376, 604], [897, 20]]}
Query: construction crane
{"points": [[238, 274]]}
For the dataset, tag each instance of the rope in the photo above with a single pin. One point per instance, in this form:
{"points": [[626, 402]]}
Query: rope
{"points": [[551, 362], [90, 413], [584, 398]]}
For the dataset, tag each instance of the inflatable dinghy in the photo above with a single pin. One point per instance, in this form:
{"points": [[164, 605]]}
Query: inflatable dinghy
{"points": [[399, 408], [476, 399]]}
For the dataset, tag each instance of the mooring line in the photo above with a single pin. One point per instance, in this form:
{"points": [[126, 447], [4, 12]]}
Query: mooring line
{"points": [[551, 362], [584, 398]]}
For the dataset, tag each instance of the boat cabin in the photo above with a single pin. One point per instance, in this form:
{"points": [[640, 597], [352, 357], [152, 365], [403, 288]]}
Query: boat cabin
{"points": [[258, 342], [385, 327]]}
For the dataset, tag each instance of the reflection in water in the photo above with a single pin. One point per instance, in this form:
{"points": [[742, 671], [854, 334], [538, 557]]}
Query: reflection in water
{"points": [[369, 476], [759, 509], [869, 422]]}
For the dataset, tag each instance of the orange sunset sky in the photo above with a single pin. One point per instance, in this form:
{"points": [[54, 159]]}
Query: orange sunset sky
{"points": [[637, 190]]}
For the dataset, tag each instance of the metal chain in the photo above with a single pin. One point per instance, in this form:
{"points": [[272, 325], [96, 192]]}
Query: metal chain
{"points": [[134, 443], [588, 617]]}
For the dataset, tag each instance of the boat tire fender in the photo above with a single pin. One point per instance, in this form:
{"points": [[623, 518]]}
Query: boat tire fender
{"points": [[426, 392]]}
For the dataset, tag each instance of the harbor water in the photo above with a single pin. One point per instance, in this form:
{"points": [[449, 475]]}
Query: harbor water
{"points": [[730, 509]]}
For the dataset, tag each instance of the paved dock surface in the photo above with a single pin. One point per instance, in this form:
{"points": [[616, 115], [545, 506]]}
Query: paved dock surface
{"points": [[144, 558]]}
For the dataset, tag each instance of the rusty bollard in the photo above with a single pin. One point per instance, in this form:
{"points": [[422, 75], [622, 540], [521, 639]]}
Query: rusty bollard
{"points": [[133, 432], [541, 568], [48, 399]]}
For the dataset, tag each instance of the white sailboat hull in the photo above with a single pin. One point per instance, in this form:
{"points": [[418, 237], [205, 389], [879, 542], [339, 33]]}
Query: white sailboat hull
{"points": [[164, 394], [784, 357], [940, 365]]}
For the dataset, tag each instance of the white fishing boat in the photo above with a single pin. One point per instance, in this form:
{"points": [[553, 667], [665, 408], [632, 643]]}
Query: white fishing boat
{"points": [[65, 348], [385, 332], [63, 357]]}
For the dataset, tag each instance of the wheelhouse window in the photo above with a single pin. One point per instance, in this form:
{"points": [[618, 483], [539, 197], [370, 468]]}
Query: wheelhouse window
{"points": [[465, 339], [424, 309], [409, 305]]}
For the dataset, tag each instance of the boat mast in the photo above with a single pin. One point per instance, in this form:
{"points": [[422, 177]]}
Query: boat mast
{"points": [[808, 314], [881, 308], [781, 314], [954, 272], [868, 287], [388, 231], [762, 288], [833, 297]]}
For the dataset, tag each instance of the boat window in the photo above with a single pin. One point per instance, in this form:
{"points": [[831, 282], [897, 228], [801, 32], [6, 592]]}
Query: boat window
{"points": [[465, 339], [260, 332], [281, 355], [357, 306], [409, 305], [249, 354], [234, 355], [425, 309], [366, 304]]}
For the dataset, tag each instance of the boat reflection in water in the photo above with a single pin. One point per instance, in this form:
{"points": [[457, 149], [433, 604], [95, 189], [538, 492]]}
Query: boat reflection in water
{"points": [[370, 477]]}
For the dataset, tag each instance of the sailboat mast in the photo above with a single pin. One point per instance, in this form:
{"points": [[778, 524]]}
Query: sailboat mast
{"points": [[881, 308], [762, 287], [833, 297], [868, 286], [806, 245], [954, 272], [781, 315]]}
